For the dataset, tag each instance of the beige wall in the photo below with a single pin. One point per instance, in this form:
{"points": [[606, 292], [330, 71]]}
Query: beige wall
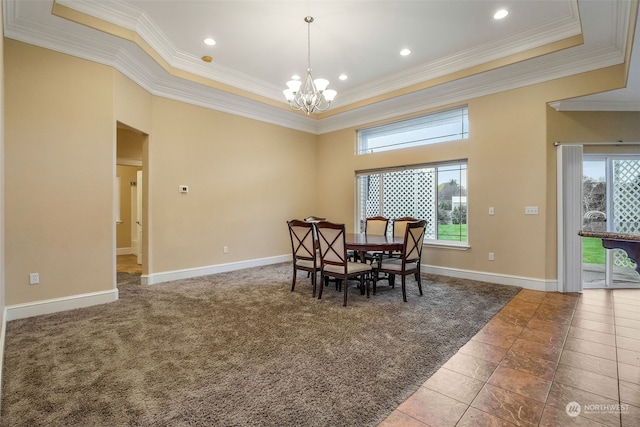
{"points": [[245, 178], [595, 126], [510, 166], [132, 105], [129, 144], [60, 168]]}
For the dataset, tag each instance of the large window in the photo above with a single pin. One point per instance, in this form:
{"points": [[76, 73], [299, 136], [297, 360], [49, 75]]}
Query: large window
{"points": [[436, 193], [447, 125]]}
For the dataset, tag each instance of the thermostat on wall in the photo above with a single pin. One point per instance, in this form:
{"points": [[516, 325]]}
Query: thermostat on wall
{"points": [[183, 188]]}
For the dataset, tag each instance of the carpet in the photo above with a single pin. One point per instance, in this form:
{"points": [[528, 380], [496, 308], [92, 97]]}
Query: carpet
{"points": [[238, 349]]}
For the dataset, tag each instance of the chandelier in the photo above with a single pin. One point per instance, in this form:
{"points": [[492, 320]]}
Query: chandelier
{"points": [[310, 96]]}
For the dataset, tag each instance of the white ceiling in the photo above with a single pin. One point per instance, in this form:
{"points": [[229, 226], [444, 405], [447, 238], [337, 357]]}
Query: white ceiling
{"points": [[458, 50]]}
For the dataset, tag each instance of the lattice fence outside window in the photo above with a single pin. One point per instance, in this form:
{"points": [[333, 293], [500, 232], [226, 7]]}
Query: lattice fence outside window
{"points": [[401, 193], [626, 204]]}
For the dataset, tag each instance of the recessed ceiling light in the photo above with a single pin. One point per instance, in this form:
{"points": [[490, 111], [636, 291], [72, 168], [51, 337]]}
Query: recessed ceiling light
{"points": [[295, 77], [405, 52], [502, 13], [209, 41], [343, 77]]}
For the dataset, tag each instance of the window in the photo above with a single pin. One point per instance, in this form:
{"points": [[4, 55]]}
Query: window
{"points": [[447, 125], [436, 193]]}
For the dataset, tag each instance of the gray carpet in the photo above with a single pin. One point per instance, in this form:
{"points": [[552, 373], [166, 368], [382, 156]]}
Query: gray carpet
{"points": [[238, 349]]}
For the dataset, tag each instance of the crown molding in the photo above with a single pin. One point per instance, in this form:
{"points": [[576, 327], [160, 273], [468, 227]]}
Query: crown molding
{"points": [[133, 62], [134, 19], [587, 105], [538, 70], [533, 38]]}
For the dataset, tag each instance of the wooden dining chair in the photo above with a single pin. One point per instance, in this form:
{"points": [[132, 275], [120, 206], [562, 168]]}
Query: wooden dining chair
{"points": [[398, 227], [334, 262], [303, 248], [409, 262], [375, 226]]}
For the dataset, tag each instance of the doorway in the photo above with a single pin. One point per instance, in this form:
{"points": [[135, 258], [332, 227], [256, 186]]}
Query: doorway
{"points": [[611, 196], [130, 200]]}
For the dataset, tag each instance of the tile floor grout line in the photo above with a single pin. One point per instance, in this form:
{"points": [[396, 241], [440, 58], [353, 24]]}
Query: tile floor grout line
{"points": [[555, 371], [497, 365], [504, 357], [615, 340]]}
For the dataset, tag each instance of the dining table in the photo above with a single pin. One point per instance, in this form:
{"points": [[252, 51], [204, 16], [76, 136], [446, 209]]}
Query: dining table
{"points": [[362, 243]]}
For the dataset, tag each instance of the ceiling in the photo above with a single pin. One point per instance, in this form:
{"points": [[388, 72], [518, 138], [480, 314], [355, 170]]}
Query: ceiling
{"points": [[458, 50]]}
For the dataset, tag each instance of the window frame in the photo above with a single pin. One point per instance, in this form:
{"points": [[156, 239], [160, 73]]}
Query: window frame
{"points": [[424, 127], [462, 164]]}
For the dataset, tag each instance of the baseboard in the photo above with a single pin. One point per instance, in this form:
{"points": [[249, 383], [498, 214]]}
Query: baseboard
{"points": [[36, 308], [501, 279], [124, 251], [20, 311], [187, 273]]}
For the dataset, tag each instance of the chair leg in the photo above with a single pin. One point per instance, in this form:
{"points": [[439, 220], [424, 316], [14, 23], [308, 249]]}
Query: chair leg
{"points": [[419, 282], [404, 288], [346, 292], [322, 278], [375, 280], [392, 280], [368, 280], [293, 282], [313, 284]]}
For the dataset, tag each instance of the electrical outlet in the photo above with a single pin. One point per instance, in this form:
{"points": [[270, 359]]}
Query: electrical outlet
{"points": [[34, 278], [225, 250], [531, 210], [491, 256], [491, 211]]}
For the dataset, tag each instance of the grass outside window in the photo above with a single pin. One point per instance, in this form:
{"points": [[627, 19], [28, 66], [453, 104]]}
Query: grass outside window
{"points": [[592, 251], [452, 232]]}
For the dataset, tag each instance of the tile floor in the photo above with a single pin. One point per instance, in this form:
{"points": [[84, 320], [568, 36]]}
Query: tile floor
{"points": [[539, 354]]}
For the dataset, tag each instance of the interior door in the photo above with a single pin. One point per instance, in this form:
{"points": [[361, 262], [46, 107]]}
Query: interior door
{"points": [[139, 216]]}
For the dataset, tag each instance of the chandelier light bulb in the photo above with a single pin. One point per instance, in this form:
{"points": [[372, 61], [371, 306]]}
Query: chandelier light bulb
{"points": [[294, 85], [329, 94]]}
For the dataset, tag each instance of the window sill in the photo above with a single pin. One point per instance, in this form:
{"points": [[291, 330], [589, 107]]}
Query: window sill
{"points": [[459, 246]]}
